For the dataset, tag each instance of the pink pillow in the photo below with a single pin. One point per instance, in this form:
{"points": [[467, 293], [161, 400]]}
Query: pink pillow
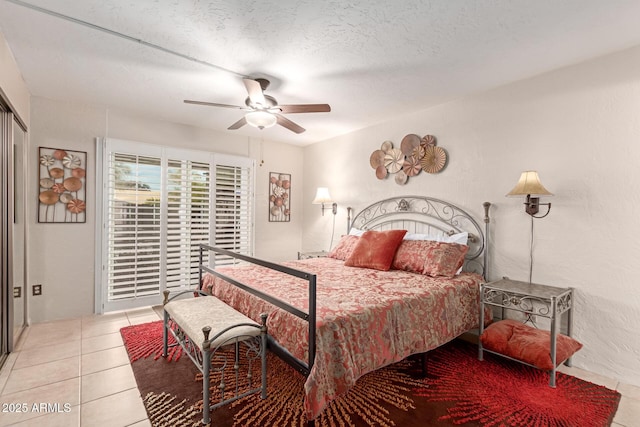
{"points": [[527, 344], [376, 249], [344, 248], [430, 257]]}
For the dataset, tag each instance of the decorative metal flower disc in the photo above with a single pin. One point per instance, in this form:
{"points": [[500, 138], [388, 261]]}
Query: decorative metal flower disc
{"points": [[409, 142], [401, 178], [66, 197], [72, 184], [434, 159], [381, 172], [411, 166], [377, 159], [428, 141], [46, 183], [393, 160], [47, 160], [76, 206], [48, 197], [418, 152], [386, 146], [70, 161], [279, 191], [56, 173], [58, 188], [59, 154]]}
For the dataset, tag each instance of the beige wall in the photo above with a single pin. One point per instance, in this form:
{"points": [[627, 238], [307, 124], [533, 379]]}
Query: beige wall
{"points": [[11, 82], [580, 128], [62, 255]]}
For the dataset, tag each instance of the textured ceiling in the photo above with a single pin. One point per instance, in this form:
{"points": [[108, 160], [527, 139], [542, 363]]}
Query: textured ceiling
{"points": [[370, 60]]}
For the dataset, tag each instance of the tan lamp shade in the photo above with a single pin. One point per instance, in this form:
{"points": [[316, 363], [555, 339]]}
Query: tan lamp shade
{"points": [[529, 184], [322, 196]]}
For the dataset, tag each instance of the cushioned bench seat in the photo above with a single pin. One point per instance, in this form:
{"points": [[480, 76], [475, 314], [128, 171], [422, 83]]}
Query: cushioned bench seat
{"points": [[204, 325], [194, 313]]}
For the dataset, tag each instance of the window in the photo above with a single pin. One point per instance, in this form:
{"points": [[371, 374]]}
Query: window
{"points": [[159, 205]]}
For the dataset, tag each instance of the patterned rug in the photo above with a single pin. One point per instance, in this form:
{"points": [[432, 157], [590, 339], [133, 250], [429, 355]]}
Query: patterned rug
{"points": [[458, 390]]}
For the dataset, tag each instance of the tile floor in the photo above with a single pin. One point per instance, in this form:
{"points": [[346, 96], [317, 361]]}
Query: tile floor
{"points": [[81, 365]]}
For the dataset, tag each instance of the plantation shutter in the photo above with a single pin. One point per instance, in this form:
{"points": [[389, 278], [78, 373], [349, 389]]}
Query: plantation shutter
{"points": [[233, 210], [159, 205], [187, 220], [133, 220]]}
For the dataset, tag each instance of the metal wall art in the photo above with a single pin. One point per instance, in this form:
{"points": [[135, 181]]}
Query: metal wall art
{"points": [[62, 179], [414, 155], [279, 197]]}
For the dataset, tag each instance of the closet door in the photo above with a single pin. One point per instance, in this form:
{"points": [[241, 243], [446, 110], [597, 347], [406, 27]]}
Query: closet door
{"points": [[18, 237], [4, 234]]}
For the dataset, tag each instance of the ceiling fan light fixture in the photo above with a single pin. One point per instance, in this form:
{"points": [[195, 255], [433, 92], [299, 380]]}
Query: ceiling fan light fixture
{"points": [[261, 119]]}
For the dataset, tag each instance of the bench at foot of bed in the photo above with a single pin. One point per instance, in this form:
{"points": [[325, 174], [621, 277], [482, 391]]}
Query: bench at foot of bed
{"points": [[203, 326]]}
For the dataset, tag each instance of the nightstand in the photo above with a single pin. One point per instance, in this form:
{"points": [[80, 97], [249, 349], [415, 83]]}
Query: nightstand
{"points": [[535, 301], [307, 255]]}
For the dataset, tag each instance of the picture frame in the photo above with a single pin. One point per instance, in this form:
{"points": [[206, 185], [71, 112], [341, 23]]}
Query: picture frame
{"points": [[62, 193], [279, 197]]}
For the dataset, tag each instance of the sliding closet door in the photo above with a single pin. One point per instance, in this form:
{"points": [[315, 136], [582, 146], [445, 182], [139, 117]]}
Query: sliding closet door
{"points": [[12, 230], [18, 254], [4, 234]]}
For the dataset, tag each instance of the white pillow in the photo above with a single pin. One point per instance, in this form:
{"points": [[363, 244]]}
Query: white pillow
{"points": [[460, 238], [356, 232]]}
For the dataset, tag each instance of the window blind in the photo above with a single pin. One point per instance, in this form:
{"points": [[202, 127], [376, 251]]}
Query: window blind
{"points": [[187, 220], [160, 204], [233, 211], [133, 224]]}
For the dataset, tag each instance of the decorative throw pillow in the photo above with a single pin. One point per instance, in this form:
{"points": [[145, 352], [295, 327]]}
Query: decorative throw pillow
{"points": [[344, 248], [411, 255], [376, 249], [522, 342], [444, 259], [429, 257]]}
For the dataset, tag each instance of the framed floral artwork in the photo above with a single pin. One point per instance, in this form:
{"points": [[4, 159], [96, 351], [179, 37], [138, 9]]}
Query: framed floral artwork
{"points": [[62, 179], [279, 197]]}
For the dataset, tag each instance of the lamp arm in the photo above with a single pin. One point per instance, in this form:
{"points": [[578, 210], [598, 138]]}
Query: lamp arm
{"points": [[532, 206], [548, 205]]}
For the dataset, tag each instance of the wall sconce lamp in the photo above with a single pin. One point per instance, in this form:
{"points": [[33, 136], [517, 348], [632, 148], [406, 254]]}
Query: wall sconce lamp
{"points": [[322, 197], [529, 185]]}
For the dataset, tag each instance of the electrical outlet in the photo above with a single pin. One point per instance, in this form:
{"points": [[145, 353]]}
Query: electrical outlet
{"points": [[17, 292], [37, 290]]}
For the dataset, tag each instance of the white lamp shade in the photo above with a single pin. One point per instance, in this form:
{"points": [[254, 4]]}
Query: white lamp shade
{"points": [[322, 196], [260, 119], [529, 184]]}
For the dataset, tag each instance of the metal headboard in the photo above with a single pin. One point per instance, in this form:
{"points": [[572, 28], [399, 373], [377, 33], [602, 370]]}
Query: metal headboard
{"points": [[419, 214]]}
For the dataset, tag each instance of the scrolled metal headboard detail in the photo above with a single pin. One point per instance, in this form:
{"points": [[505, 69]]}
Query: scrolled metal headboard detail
{"points": [[420, 214]]}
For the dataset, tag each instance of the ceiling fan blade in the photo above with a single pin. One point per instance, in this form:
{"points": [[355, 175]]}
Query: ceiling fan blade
{"points": [[238, 124], [214, 104], [255, 92], [304, 108], [283, 121]]}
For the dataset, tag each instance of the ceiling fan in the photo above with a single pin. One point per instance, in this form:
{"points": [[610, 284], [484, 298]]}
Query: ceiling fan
{"points": [[263, 110]]}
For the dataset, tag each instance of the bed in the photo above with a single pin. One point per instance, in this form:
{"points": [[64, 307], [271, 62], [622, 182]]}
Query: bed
{"points": [[334, 320]]}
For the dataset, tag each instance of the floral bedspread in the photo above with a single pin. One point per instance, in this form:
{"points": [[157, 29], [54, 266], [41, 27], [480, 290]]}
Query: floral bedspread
{"points": [[366, 319]]}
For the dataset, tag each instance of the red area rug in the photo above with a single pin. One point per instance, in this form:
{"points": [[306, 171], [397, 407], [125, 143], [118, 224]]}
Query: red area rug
{"points": [[458, 390]]}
